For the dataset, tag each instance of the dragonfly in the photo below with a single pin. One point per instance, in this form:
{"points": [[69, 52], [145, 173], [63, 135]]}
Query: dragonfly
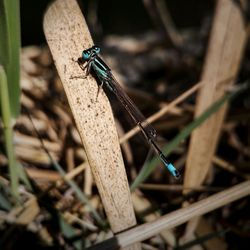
{"points": [[92, 63]]}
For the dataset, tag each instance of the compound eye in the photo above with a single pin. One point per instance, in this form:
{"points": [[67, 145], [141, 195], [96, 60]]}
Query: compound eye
{"points": [[86, 54], [97, 49]]}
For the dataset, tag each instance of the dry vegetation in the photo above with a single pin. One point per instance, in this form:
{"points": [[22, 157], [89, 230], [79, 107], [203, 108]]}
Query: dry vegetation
{"points": [[81, 195]]}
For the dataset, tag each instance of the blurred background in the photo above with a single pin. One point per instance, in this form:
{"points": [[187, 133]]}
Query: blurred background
{"points": [[157, 51]]}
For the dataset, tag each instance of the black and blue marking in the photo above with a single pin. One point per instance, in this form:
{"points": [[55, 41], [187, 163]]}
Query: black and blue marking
{"points": [[103, 73]]}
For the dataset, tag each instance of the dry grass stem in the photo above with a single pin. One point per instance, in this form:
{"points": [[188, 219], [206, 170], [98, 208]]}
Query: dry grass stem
{"points": [[173, 219], [67, 34], [227, 42], [163, 111]]}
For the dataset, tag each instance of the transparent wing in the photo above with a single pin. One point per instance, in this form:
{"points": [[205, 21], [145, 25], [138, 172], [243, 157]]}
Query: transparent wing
{"points": [[128, 104]]}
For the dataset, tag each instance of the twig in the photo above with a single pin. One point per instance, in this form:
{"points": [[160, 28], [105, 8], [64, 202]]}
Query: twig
{"points": [[176, 218], [67, 34], [163, 111]]}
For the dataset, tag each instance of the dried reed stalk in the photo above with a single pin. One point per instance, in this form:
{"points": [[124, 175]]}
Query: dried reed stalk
{"points": [[67, 34], [176, 218], [227, 42]]}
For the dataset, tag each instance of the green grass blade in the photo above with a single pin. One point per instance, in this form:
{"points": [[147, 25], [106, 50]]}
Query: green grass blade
{"points": [[148, 168], [10, 50], [80, 195], [70, 233], [8, 135], [4, 203], [23, 176], [5, 192]]}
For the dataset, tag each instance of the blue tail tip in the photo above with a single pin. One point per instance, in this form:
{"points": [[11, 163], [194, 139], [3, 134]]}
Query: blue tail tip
{"points": [[173, 170]]}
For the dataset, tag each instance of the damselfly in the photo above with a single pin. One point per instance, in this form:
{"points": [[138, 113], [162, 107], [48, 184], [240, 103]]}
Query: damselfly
{"points": [[98, 67]]}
